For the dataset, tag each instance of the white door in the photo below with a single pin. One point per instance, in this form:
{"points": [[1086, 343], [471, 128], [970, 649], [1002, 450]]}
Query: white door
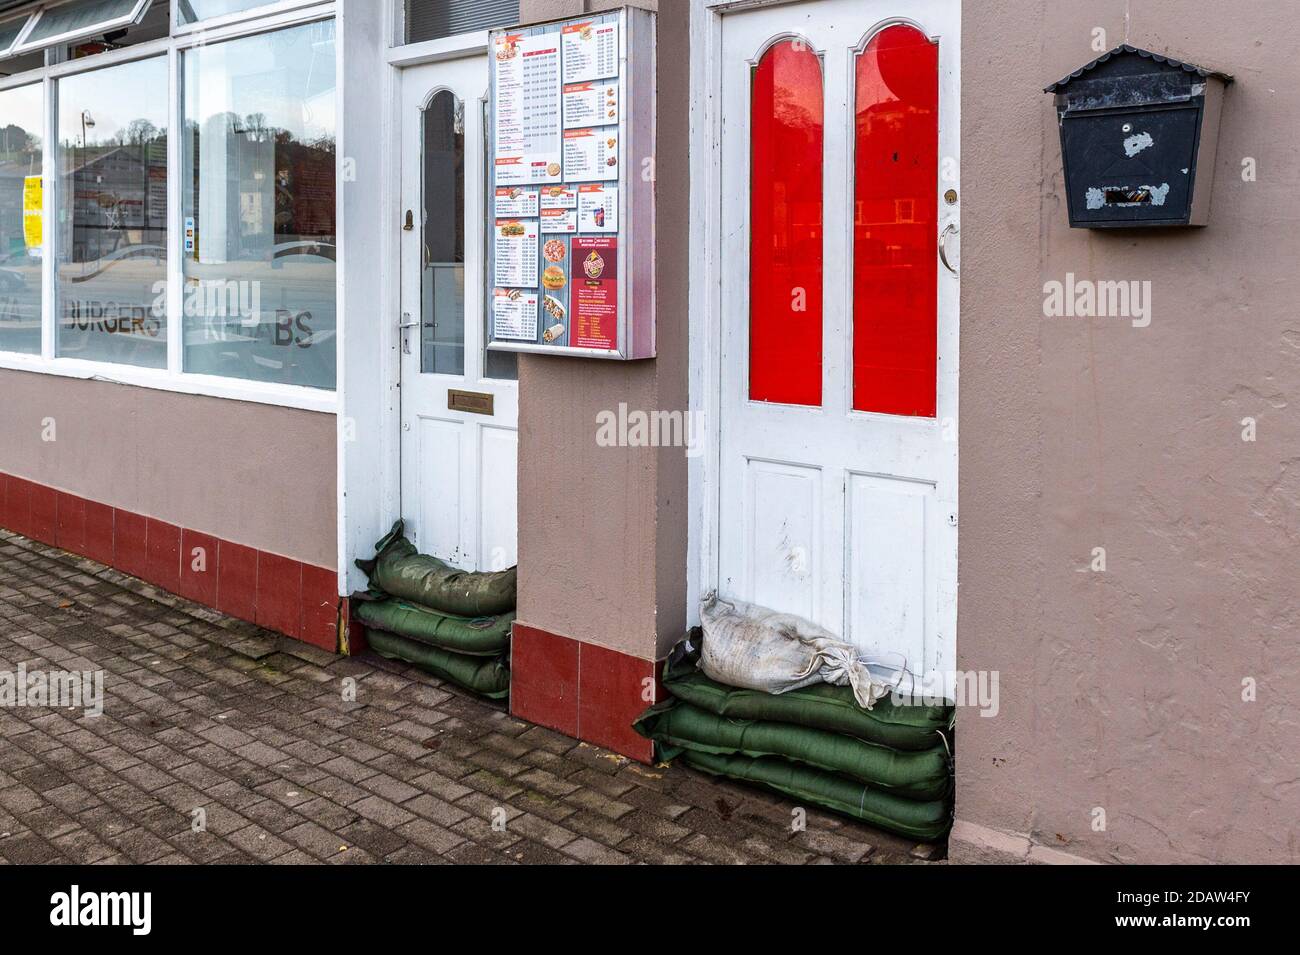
{"points": [[837, 478], [460, 404]]}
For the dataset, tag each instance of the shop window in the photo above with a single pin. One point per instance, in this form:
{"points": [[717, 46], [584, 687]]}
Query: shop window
{"points": [[259, 240], [895, 209], [434, 19], [111, 158], [785, 252], [20, 219], [191, 11]]}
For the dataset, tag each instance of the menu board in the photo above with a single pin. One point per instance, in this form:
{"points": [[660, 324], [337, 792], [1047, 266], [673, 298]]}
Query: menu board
{"points": [[557, 128]]}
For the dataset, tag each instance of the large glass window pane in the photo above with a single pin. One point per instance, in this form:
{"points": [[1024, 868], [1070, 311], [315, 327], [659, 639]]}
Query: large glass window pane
{"points": [[895, 210], [112, 225], [194, 10], [785, 214], [442, 272], [259, 207], [20, 219]]}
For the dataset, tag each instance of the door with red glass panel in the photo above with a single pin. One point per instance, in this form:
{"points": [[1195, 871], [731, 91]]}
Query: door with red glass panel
{"points": [[837, 471]]}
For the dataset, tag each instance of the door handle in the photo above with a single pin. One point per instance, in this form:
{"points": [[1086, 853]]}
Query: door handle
{"points": [[943, 246], [404, 327]]}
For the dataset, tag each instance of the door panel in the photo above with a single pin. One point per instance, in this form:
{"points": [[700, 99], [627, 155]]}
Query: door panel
{"points": [[838, 373], [783, 511], [437, 487], [458, 466]]}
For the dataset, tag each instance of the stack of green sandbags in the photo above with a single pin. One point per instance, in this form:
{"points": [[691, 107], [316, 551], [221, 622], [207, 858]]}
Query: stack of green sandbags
{"points": [[453, 623], [890, 766]]}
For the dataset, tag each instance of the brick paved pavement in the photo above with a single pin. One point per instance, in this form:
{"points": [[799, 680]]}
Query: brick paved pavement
{"points": [[206, 712]]}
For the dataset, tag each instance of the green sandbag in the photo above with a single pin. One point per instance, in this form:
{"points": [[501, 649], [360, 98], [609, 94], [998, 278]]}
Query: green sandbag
{"points": [[398, 570], [919, 774], [479, 636], [928, 821], [821, 706], [487, 676]]}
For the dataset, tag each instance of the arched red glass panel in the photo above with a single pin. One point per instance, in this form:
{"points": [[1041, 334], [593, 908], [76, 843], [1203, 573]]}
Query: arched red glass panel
{"points": [[895, 211], [785, 250]]}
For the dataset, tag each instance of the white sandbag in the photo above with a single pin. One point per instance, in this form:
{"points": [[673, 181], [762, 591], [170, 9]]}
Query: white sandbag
{"points": [[759, 649]]}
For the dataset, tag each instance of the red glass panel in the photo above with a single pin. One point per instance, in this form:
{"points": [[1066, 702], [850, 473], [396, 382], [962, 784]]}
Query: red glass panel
{"points": [[785, 214], [895, 208]]}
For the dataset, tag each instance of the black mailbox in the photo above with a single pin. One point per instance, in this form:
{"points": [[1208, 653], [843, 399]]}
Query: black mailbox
{"points": [[1135, 128]]}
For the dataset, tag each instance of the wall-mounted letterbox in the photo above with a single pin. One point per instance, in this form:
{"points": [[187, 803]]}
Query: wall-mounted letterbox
{"points": [[570, 197], [1138, 138]]}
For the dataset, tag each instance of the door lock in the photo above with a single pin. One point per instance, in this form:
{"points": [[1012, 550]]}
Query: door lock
{"points": [[410, 221]]}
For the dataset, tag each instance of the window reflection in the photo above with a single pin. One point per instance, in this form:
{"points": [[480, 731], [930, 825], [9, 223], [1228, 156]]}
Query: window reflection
{"points": [[112, 198], [442, 266], [895, 210], [20, 219], [258, 240], [785, 258]]}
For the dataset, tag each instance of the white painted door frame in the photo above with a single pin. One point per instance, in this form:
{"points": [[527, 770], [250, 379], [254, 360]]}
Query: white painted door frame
{"points": [[459, 467], [706, 330]]}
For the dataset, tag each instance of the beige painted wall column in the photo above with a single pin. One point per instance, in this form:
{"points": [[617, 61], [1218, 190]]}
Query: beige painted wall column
{"points": [[602, 531]]}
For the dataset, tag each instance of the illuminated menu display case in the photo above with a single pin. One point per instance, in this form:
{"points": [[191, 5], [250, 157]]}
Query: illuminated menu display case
{"points": [[569, 215]]}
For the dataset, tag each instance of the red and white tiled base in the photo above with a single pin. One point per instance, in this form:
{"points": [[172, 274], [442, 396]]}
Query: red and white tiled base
{"points": [[582, 690], [279, 593]]}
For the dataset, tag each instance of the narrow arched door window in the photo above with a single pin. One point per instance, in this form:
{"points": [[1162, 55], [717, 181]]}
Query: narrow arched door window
{"points": [[785, 250], [442, 256], [895, 211]]}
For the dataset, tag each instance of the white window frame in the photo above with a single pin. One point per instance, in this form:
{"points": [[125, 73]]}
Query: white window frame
{"points": [[274, 16], [24, 46]]}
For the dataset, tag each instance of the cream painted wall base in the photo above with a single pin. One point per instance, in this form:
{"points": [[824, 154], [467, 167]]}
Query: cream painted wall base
{"points": [[972, 844]]}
